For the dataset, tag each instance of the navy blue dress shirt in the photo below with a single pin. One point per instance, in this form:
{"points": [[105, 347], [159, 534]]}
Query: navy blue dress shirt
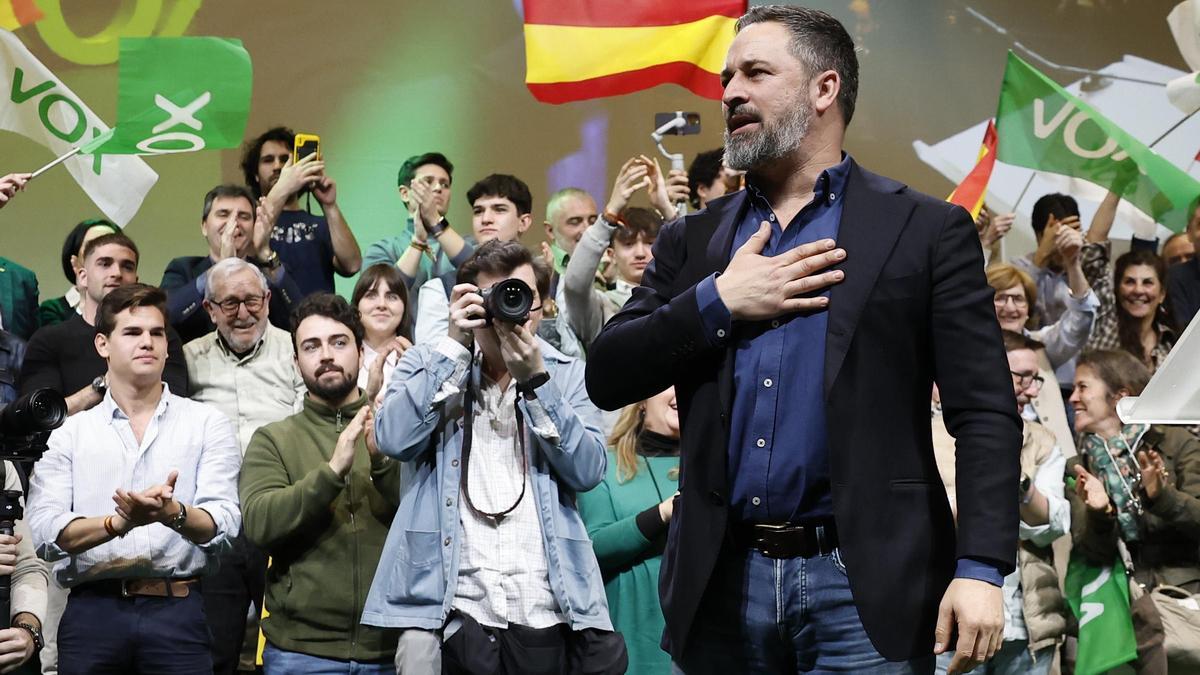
{"points": [[778, 452]]}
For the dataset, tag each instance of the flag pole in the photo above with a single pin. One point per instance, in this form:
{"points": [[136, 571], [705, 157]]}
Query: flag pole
{"points": [[1032, 175], [56, 162], [1047, 62]]}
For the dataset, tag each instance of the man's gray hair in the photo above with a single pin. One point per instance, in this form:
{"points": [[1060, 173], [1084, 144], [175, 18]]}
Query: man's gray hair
{"points": [[226, 268], [819, 41], [562, 195]]}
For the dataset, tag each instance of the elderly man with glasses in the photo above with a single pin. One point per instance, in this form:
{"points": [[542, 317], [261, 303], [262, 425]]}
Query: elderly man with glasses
{"points": [[235, 226], [244, 369]]}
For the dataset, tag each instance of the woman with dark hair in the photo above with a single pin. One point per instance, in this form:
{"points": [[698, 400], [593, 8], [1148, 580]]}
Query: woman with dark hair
{"points": [[1137, 490], [1133, 312], [381, 299], [57, 310], [627, 517]]}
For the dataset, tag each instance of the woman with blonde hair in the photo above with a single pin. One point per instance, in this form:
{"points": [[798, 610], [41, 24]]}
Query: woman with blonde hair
{"points": [[627, 516]]}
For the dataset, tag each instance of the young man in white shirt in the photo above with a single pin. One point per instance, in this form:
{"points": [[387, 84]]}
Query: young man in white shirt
{"points": [[169, 466]]}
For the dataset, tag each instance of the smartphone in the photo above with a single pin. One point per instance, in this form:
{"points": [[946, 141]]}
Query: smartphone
{"points": [[306, 144], [691, 119]]}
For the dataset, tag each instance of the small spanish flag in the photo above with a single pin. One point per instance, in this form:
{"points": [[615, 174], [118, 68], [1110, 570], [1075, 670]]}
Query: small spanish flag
{"points": [[17, 13], [581, 49], [970, 192]]}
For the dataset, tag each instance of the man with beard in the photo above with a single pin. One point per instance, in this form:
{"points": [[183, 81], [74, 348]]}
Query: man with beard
{"points": [[244, 369], [318, 498], [233, 228], [802, 322], [312, 247]]}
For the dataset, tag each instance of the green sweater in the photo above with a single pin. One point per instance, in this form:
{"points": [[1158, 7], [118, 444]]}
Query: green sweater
{"points": [[628, 560], [324, 534]]}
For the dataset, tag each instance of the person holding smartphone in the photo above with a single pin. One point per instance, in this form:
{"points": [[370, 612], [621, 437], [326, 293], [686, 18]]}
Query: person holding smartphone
{"points": [[312, 247]]}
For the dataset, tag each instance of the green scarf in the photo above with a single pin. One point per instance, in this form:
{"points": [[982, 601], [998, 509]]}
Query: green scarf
{"points": [[1114, 463]]}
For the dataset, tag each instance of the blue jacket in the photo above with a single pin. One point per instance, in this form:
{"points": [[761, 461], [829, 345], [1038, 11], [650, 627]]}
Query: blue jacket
{"points": [[420, 423]]}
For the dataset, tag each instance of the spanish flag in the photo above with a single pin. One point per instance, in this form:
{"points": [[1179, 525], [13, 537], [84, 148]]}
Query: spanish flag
{"points": [[581, 49], [17, 13], [970, 192]]}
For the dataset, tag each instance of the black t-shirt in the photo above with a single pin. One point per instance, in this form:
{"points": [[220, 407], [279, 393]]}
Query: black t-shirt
{"points": [[305, 246], [63, 357]]}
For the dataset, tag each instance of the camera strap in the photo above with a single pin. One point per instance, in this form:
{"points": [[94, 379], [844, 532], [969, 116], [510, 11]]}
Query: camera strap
{"points": [[468, 432]]}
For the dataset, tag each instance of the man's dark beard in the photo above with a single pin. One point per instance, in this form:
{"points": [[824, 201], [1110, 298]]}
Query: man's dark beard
{"points": [[331, 393]]}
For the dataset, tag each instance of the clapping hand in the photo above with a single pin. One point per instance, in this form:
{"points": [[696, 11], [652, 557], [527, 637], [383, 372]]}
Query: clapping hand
{"points": [[154, 505]]}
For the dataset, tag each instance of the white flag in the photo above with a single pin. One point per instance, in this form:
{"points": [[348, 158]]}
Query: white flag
{"points": [[39, 106], [1184, 20]]}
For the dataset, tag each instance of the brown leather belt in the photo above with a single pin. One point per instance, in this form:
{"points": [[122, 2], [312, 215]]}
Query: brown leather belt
{"points": [[129, 588], [787, 540]]}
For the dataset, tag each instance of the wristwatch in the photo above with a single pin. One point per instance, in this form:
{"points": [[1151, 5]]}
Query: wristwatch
{"points": [[179, 520], [38, 641], [100, 385], [271, 261], [438, 228], [528, 388]]}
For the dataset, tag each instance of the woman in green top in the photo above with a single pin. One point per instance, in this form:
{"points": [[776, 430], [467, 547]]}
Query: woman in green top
{"points": [[57, 310], [627, 517]]}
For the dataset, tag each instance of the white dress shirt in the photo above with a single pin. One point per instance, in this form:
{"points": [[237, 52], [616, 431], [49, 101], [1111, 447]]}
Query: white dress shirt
{"points": [[95, 452]]}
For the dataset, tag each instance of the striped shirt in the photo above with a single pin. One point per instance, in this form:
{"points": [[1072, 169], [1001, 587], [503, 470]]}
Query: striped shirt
{"points": [[95, 452], [503, 574]]}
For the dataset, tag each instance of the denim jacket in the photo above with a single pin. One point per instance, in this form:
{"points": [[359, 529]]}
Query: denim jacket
{"points": [[420, 423]]}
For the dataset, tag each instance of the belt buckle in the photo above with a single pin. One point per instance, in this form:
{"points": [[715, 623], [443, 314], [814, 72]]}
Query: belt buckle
{"points": [[765, 546]]}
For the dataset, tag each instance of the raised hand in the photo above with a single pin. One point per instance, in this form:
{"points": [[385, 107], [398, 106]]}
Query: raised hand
{"points": [[466, 313], [1091, 490], [633, 176], [519, 348], [1155, 476], [11, 184], [343, 452]]}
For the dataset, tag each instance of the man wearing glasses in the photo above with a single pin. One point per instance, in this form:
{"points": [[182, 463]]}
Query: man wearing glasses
{"points": [[1035, 618], [234, 228], [426, 247], [244, 369]]}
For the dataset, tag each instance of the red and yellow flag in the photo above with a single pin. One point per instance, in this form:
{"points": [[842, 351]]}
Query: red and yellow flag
{"points": [[581, 49], [17, 13], [970, 192]]}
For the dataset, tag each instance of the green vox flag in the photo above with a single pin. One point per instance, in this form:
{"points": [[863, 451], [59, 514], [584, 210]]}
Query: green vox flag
{"points": [[1041, 126], [179, 94], [1099, 598]]}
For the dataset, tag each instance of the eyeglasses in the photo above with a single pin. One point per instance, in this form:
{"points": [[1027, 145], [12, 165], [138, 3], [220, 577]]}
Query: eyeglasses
{"points": [[230, 306], [1026, 379], [1018, 300], [434, 182]]}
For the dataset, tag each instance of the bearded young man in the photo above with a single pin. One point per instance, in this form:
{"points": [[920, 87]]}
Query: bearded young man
{"points": [[803, 322], [318, 498]]}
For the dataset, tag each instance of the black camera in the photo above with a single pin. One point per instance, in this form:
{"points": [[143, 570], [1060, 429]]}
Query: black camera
{"points": [[26, 423], [509, 301]]}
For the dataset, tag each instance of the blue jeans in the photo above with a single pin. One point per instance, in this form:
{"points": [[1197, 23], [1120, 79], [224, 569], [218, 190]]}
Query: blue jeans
{"points": [[767, 615], [279, 662], [1012, 659]]}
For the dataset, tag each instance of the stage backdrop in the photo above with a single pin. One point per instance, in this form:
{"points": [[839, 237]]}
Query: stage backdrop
{"points": [[380, 80]]}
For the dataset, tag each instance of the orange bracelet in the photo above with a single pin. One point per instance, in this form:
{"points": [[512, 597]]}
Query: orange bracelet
{"points": [[108, 527]]}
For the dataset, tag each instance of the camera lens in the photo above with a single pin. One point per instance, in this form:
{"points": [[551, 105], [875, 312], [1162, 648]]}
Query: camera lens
{"points": [[40, 410], [509, 301]]}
